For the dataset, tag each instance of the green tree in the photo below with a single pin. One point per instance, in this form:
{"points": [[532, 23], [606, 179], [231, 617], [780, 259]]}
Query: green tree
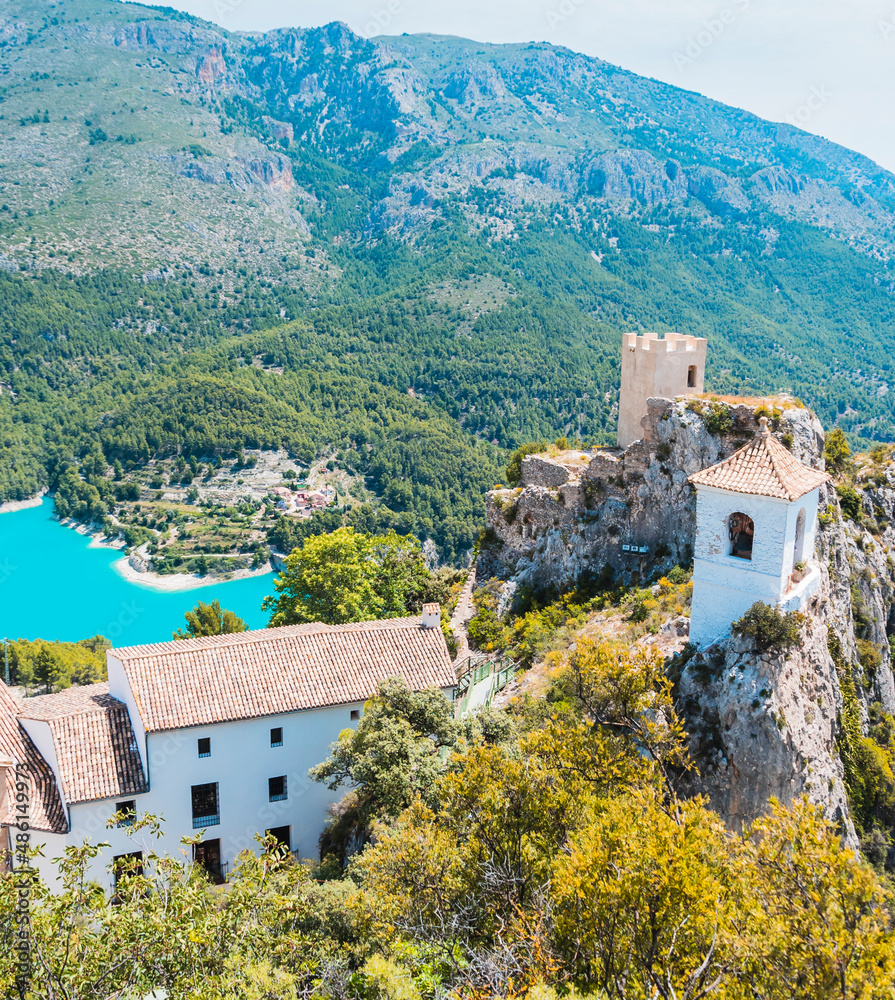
{"points": [[395, 753], [837, 453], [48, 671], [513, 471], [771, 629], [348, 576], [210, 619]]}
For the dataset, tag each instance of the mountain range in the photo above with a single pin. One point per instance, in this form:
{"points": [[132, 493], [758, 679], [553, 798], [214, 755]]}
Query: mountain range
{"points": [[408, 253]]}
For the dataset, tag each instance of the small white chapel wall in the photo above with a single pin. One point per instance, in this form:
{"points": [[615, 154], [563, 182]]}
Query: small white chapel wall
{"points": [[726, 586]]}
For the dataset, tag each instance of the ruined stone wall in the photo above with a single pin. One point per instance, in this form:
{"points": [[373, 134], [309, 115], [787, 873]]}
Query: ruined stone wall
{"points": [[539, 470]]}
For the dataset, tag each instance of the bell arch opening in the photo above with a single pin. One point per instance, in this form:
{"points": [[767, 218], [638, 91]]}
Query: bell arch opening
{"points": [[741, 532], [798, 550]]}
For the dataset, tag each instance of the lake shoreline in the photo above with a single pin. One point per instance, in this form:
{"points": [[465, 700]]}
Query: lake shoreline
{"points": [[129, 568], [176, 582], [74, 572], [12, 506]]}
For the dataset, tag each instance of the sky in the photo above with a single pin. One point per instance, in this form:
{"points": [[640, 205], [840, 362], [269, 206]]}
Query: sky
{"points": [[827, 66]]}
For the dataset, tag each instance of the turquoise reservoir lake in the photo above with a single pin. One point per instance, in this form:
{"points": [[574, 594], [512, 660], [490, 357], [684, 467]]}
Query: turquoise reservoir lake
{"points": [[54, 586]]}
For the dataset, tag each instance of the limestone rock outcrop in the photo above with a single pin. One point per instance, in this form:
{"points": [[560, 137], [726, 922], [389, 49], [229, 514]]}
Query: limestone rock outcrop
{"points": [[764, 725], [625, 512]]}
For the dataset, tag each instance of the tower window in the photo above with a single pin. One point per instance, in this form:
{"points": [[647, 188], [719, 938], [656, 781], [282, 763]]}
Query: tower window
{"points": [[276, 788], [798, 552], [741, 530], [204, 746], [691, 377]]}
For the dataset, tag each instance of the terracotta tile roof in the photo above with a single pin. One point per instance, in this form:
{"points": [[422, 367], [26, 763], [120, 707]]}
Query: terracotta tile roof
{"points": [[80, 698], [46, 812], [96, 754], [192, 682], [763, 468]]}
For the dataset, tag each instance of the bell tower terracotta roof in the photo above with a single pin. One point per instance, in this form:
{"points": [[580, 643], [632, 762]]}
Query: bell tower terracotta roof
{"points": [[763, 468]]}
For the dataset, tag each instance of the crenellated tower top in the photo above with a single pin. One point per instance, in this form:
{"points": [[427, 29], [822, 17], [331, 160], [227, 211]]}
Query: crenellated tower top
{"points": [[656, 366]]}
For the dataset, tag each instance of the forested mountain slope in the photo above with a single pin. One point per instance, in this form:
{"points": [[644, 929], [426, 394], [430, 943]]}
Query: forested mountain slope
{"points": [[415, 250]]}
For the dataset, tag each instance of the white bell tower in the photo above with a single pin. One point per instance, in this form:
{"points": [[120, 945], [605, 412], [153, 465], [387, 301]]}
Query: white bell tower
{"points": [[756, 517]]}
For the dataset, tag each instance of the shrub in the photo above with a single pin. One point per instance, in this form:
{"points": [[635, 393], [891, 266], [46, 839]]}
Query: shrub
{"points": [[837, 453], [868, 654], [770, 628], [715, 415], [636, 606], [849, 501]]}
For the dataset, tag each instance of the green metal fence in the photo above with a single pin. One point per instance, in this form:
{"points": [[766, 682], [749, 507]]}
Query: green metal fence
{"points": [[470, 675]]}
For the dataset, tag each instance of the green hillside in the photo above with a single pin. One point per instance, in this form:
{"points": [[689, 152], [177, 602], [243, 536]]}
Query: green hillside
{"points": [[413, 253]]}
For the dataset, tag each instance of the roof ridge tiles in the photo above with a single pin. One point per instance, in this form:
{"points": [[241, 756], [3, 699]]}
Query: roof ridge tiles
{"points": [[276, 671], [762, 467], [253, 636]]}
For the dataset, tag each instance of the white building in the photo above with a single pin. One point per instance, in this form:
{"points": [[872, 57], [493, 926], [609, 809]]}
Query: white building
{"points": [[213, 734], [756, 517]]}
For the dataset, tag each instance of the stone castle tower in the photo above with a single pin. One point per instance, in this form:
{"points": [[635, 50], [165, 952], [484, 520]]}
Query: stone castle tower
{"points": [[667, 367]]}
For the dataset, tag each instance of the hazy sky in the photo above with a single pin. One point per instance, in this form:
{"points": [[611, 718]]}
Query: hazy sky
{"points": [[827, 66]]}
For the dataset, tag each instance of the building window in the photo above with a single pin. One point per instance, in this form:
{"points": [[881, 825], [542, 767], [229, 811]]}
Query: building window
{"points": [[741, 530], [281, 834], [206, 810], [276, 788], [276, 736], [355, 715], [208, 856], [205, 747], [127, 864], [691, 377], [127, 812]]}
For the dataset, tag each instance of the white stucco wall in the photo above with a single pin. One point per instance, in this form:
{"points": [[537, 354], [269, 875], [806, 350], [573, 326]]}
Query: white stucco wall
{"points": [[725, 586], [42, 737], [241, 761], [52, 846]]}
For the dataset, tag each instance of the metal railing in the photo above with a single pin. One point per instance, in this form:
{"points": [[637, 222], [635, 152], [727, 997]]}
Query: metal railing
{"points": [[472, 673], [215, 870], [201, 822]]}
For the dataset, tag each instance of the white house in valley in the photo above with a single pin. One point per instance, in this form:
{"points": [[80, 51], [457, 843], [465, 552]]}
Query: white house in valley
{"points": [[213, 734], [756, 518]]}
